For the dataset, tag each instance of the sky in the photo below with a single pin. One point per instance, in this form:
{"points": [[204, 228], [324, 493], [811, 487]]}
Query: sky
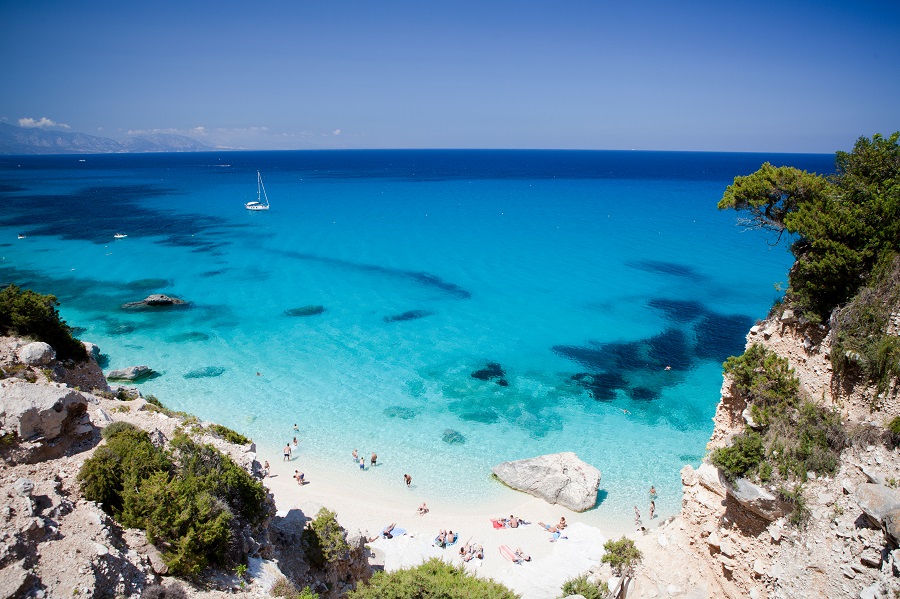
{"points": [[767, 76]]}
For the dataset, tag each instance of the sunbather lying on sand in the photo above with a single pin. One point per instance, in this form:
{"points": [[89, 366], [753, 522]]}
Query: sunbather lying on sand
{"points": [[522, 556], [548, 528], [423, 509], [441, 539]]}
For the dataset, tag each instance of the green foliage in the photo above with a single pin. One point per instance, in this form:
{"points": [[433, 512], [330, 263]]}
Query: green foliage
{"points": [[324, 540], [621, 555], [841, 226], [587, 589], [229, 435], [433, 579], [285, 588], [800, 514], [117, 427], [30, 314], [894, 426], [766, 379], [742, 457], [185, 502]]}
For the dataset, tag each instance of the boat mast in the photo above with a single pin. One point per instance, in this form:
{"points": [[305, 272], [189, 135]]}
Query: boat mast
{"points": [[261, 189]]}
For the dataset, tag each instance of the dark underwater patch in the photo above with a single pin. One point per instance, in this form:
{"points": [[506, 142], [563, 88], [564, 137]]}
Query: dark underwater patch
{"points": [[484, 415], [669, 349], [421, 278], [408, 315], [147, 284], [680, 311], [189, 337], [400, 412], [643, 394], [493, 370], [205, 373], [720, 336], [305, 311], [672, 269], [602, 386], [9, 188], [453, 437], [213, 273]]}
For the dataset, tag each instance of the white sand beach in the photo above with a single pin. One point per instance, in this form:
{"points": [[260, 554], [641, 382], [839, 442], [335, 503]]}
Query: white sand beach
{"points": [[366, 503]]}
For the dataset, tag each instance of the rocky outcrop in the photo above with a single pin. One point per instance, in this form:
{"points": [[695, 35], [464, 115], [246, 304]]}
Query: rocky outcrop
{"points": [[877, 502], [36, 354], [131, 373], [32, 411], [157, 300], [758, 500], [559, 478]]}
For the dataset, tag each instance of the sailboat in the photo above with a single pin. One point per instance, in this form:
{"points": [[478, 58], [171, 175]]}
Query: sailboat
{"points": [[262, 200]]}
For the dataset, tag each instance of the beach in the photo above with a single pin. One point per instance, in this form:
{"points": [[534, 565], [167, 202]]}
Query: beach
{"points": [[365, 503]]}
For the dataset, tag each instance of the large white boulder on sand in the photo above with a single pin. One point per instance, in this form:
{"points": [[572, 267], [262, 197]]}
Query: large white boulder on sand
{"points": [[38, 410], [556, 478]]}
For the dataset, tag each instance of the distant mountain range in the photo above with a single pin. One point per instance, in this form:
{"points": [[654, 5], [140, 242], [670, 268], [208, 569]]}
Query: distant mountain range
{"points": [[19, 140]]}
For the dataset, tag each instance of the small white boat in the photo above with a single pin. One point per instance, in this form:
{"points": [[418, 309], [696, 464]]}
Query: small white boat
{"points": [[120, 235], [262, 200], [21, 236]]}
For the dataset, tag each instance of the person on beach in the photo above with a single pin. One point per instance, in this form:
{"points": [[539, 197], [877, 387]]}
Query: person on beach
{"points": [[299, 477], [266, 470], [521, 555], [294, 444], [547, 527], [652, 508], [423, 509], [355, 455], [513, 522], [637, 517], [287, 453], [362, 463], [441, 539], [374, 459], [562, 523], [296, 428], [652, 493], [408, 480]]}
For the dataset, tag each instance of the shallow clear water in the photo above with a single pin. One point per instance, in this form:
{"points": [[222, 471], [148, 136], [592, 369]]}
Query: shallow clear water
{"points": [[581, 274]]}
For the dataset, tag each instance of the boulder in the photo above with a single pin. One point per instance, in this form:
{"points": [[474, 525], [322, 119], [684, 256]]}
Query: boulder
{"points": [[36, 354], [92, 350], [453, 437], [710, 477], [892, 526], [155, 301], [688, 476], [23, 487], [877, 501], [556, 478], [38, 410], [757, 500], [132, 373]]}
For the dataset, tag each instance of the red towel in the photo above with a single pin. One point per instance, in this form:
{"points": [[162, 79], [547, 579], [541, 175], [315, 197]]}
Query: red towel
{"points": [[497, 523]]}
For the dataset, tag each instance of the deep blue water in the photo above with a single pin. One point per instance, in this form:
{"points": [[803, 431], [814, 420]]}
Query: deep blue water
{"points": [[364, 301]]}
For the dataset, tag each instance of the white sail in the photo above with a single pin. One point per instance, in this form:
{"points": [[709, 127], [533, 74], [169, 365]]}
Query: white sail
{"points": [[262, 200]]}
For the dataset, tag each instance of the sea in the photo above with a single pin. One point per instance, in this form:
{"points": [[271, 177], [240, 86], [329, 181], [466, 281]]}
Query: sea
{"points": [[447, 309]]}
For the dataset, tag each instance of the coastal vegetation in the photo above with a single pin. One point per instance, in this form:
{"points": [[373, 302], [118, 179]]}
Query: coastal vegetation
{"points": [[845, 236], [28, 314], [324, 540], [189, 500], [584, 587], [434, 579], [791, 435], [621, 555]]}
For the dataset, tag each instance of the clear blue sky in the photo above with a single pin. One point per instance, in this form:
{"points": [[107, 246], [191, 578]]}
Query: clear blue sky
{"points": [[732, 76]]}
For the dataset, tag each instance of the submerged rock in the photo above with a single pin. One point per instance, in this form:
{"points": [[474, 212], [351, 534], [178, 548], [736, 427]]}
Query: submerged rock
{"points": [[556, 478], [131, 373], [492, 371], [453, 437], [205, 372], [189, 337], [400, 412], [408, 315], [305, 311]]}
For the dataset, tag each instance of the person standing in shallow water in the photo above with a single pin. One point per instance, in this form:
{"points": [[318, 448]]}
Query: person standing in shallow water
{"points": [[362, 463], [287, 452], [374, 459], [408, 480]]}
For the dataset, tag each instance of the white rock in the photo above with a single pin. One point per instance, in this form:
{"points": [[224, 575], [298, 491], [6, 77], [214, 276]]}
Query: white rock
{"points": [[559, 478], [662, 540], [38, 410], [23, 487], [36, 354], [131, 373]]}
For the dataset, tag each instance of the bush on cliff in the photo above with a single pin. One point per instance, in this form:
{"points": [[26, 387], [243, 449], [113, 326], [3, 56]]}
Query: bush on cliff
{"points": [[29, 314], [621, 555], [584, 587], [185, 500], [324, 540], [434, 579]]}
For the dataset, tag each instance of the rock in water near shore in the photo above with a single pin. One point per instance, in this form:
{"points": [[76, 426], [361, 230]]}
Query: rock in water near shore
{"points": [[556, 478], [132, 373], [409, 315], [156, 300], [205, 372], [453, 437], [305, 311]]}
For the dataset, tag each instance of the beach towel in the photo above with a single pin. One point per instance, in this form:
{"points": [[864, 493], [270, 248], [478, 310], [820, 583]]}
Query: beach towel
{"points": [[498, 524], [395, 532], [509, 554]]}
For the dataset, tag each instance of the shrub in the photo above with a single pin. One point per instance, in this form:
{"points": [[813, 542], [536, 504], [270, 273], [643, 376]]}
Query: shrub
{"points": [[324, 540], [740, 458], [158, 591], [763, 376], [30, 314], [584, 587], [285, 588], [433, 579], [229, 435], [621, 555], [800, 514], [117, 427], [894, 426]]}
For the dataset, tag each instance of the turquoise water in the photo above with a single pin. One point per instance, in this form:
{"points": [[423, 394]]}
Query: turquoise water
{"points": [[581, 274]]}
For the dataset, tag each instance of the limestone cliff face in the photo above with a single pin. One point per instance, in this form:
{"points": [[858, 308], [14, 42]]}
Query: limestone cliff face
{"points": [[722, 546]]}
